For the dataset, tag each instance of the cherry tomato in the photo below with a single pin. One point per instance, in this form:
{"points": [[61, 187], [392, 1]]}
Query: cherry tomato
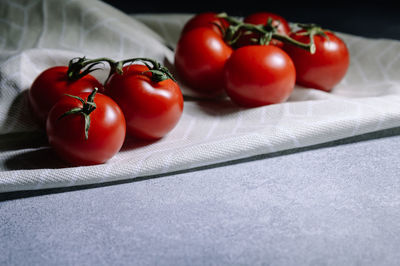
{"points": [[325, 68], [200, 57], [67, 133], [206, 19], [151, 108], [52, 84], [261, 18], [259, 75]]}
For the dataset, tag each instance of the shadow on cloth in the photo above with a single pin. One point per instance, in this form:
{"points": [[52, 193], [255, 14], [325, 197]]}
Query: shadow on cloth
{"points": [[365, 137], [43, 158], [23, 140]]}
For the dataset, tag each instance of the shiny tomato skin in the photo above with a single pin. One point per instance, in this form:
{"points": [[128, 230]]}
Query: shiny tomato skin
{"points": [[67, 135], [50, 85], [259, 75], [325, 68], [261, 18], [152, 109], [206, 19], [200, 57]]}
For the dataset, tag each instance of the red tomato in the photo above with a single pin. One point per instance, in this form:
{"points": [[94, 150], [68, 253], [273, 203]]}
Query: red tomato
{"points": [[261, 18], [259, 75], [326, 67], [52, 84], [207, 19], [151, 108], [66, 134], [200, 57]]}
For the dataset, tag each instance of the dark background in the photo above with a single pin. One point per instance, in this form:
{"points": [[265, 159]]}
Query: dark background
{"points": [[378, 19]]}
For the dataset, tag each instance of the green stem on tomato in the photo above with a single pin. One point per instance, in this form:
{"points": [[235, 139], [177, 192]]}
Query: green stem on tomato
{"points": [[311, 30], [80, 67], [267, 31], [76, 65], [88, 106]]}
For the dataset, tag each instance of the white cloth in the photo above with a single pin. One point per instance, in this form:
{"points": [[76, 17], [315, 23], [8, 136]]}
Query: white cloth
{"points": [[40, 34]]}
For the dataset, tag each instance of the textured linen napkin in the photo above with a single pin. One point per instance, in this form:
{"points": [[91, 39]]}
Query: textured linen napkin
{"points": [[35, 35]]}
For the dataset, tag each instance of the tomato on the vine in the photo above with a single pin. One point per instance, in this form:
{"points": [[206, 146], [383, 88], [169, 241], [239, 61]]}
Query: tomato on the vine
{"points": [[262, 18], [325, 68], [208, 20], [200, 57], [86, 129], [52, 84], [152, 103], [258, 75]]}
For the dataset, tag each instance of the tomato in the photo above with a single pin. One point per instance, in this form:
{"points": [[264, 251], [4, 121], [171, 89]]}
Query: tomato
{"points": [[206, 19], [261, 18], [325, 68], [258, 75], [151, 108], [68, 136], [200, 57], [52, 84]]}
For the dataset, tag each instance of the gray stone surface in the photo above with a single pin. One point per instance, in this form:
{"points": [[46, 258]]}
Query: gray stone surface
{"points": [[328, 205]]}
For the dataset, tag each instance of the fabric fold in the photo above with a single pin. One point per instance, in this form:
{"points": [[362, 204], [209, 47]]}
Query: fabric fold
{"points": [[46, 33]]}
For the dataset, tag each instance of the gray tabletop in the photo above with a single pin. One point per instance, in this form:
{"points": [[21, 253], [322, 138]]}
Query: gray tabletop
{"points": [[331, 204]]}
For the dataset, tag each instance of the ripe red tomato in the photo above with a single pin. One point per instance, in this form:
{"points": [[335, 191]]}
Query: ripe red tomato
{"points": [[200, 57], [206, 19], [325, 68], [151, 108], [261, 18], [52, 84], [66, 133], [259, 75]]}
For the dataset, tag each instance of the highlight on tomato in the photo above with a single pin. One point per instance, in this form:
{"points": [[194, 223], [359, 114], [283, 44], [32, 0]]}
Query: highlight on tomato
{"points": [[86, 129]]}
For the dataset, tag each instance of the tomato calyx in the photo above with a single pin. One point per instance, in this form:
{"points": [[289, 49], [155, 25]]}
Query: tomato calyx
{"points": [[270, 29], [88, 106], [311, 30], [158, 71], [267, 32]]}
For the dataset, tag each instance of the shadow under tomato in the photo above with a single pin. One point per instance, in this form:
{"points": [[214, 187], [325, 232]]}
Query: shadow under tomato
{"points": [[43, 158], [131, 143], [218, 108], [23, 140]]}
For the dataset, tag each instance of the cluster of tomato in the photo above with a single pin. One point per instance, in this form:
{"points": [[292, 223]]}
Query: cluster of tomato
{"points": [[257, 60], [86, 121]]}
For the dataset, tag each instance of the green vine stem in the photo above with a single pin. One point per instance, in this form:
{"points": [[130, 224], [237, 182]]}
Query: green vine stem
{"points": [[88, 106], [311, 30], [79, 67], [233, 32], [158, 71]]}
